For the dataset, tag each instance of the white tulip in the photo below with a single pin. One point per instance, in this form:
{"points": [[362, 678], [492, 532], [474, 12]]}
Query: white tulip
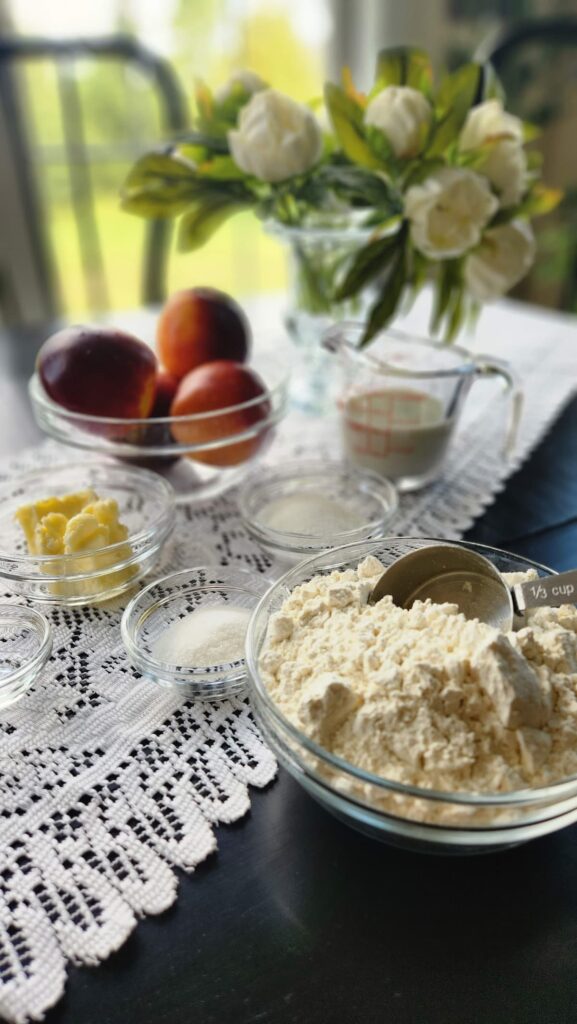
{"points": [[448, 212], [249, 80], [276, 137], [502, 259], [505, 164], [403, 115]]}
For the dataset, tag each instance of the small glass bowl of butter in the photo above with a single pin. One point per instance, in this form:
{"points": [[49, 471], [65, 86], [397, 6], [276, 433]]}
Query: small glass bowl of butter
{"points": [[186, 631], [81, 533], [308, 506], [25, 646]]}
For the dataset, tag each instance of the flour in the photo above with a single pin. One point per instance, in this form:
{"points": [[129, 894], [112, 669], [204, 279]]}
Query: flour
{"points": [[424, 696]]}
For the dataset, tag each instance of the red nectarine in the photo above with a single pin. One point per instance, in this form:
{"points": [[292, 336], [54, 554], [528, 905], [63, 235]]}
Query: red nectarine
{"points": [[153, 432], [201, 325], [166, 388], [99, 371], [220, 385]]}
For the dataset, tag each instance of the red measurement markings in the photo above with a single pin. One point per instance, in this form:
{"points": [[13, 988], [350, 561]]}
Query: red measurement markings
{"points": [[386, 415]]}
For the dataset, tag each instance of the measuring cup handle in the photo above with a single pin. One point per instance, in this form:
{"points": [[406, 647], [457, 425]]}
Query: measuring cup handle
{"points": [[548, 590], [490, 367]]}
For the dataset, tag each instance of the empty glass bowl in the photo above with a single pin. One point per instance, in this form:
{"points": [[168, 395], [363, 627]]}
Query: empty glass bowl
{"points": [[309, 506], [146, 507], [169, 600], [197, 469], [393, 812], [25, 646]]}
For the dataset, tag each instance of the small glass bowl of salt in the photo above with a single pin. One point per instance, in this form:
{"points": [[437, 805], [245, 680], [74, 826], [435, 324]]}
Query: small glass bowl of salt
{"points": [[187, 630], [312, 505]]}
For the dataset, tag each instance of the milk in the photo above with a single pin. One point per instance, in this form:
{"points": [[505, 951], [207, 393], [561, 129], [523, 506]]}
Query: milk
{"points": [[396, 432]]}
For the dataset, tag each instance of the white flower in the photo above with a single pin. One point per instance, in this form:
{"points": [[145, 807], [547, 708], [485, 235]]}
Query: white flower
{"points": [[505, 164], [275, 138], [448, 212], [403, 115], [502, 259], [249, 80]]}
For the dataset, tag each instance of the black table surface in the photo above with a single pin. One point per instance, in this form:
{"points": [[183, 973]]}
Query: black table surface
{"points": [[297, 919]]}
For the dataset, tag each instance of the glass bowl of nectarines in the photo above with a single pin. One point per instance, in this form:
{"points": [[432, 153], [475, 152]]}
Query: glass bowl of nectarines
{"points": [[199, 410]]}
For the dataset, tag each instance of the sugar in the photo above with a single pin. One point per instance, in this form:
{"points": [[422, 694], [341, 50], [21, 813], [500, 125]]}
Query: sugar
{"points": [[311, 514], [204, 638]]}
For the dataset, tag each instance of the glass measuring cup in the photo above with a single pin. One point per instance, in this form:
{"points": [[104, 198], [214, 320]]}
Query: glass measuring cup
{"points": [[402, 399]]}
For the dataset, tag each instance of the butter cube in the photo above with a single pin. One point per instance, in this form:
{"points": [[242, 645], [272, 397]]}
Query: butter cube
{"points": [[78, 523]]}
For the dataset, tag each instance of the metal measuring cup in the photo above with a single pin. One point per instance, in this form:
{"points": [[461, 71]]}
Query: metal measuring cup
{"points": [[445, 573]]}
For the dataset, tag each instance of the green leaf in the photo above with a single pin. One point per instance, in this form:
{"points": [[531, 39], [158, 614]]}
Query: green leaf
{"points": [[154, 166], [458, 93], [370, 261], [534, 160], [159, 186], [381, 147], [204, 100], [456, 315], [421, 170], [361, 187], [381, 222], [226, 111], [448, 280], [313, 288], [476, 158], [418, 269], [347, 120], [530, 132], [403, 66], [221, 168], [461, 89], [197, 226], [491, 85], [540, 200], [206, 139], [449, 306], [385, 308]]}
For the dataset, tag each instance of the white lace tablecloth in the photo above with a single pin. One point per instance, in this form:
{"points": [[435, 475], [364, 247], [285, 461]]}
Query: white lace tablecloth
{"points": [[107, 785]]}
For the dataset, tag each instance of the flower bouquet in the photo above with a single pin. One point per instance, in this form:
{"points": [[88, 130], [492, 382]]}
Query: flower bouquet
{"points": [[406, 185]]}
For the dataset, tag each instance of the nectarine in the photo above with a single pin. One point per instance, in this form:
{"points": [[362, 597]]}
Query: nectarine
{"points": [[166, 388], [201, 325], [99, 371], [214, 386], [155, 433]]}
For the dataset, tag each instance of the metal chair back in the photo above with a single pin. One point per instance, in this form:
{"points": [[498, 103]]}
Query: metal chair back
{"points": [[68, 58]]}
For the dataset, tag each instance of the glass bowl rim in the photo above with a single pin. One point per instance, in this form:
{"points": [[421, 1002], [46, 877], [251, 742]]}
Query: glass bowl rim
{"points": [[526, 796], [469, 363], [324, 232], [306, 542], [159, 528], [42, 629], [42, 398], [132, 616]]}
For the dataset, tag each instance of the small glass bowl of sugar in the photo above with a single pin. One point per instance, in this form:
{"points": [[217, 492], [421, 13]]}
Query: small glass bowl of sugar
{"points": [[186, 631], [310, 506]]}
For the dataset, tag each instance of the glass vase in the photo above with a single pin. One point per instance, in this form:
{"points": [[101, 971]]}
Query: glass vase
{"points": [[318, 260]]}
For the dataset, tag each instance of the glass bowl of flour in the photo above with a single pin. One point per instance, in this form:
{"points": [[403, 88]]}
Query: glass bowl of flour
{"points": [[187, 630], [417, 726]]}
